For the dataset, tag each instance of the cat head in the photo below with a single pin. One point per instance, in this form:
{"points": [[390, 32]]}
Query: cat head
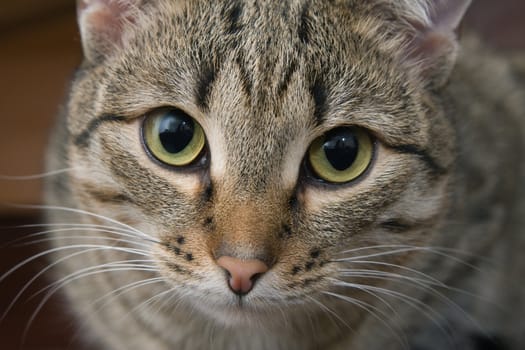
{"points": [[265, 147]]}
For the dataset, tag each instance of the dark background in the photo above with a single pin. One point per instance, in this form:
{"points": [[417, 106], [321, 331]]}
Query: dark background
{"points": [[39, 49]]}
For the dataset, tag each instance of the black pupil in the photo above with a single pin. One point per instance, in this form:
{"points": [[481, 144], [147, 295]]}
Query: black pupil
{"points": [[341, 148], [175, 131]]}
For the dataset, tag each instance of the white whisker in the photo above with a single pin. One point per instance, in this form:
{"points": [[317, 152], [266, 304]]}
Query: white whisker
{"points": [[114, 294], [86, 237], [148, 301], [83, 212], [48, 296], [75, 246], [330, 312], [45, 269], [423, 275], [391, 275], [125, 289], [92, 270], [406, 249], [35, 176], [373, 311], [83, 227], [426, 278], [419, 284], [417, 304]]}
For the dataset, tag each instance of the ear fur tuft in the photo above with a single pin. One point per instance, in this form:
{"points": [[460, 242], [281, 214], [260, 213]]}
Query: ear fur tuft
{"points": [[446, 15]]}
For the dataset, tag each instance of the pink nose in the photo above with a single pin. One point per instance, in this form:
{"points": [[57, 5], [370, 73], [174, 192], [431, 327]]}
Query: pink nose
{"points": [[242, 273]]}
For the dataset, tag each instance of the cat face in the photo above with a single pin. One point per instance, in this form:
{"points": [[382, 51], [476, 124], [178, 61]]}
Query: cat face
{"points": [[297, 137]]}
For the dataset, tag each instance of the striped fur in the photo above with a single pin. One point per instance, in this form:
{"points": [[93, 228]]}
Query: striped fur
{"points": [[264, 79]]}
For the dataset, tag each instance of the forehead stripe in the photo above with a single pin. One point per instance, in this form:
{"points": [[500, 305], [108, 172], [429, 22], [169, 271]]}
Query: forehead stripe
{"points": [[204, 86], [233, 15], [287, 77], [304, 25], [319, 94]]}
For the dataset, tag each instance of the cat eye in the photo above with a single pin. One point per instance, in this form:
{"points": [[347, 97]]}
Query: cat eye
{"points": [[341, 155], [173, 137]]}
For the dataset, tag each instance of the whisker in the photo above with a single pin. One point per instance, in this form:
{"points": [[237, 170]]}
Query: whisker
{"points": [[394, 276], [401, 246], [414, 302], [35, 176], [165, 302], [404, 268], [91, 270], [407, 249], [330, 312], [147, 301], [373, 311], [81, 227], [41, 272], [389, 276], [426, 278], [418, 284], [417, 304], [54, 290], [74, 246], [83, 212], [125, 289], [367, 291], [114, 294], [89, 238]]}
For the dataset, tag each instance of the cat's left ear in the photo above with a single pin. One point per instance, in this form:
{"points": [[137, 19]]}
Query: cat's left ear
{"points": [[103, 25], [433, 45]]}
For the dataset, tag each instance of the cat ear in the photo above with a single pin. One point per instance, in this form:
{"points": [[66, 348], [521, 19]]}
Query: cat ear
{"points": [[103, 25], [434, 45]]}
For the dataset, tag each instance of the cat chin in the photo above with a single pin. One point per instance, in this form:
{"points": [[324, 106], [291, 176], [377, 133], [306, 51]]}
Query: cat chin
{"points": [[240, 314]]}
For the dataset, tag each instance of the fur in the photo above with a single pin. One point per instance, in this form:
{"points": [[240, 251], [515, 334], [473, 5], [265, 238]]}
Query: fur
{"points": [[422, 251]]}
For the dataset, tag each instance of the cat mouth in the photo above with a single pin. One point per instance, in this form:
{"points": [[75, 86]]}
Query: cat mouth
{"points": [[237, 310], [231, 314]]}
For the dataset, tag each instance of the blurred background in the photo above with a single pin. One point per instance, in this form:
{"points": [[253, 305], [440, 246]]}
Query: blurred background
{"points": [[39, 50]]}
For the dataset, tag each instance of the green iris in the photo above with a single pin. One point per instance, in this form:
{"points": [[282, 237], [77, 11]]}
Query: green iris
{"points": [[173, 137], [341, 155]]}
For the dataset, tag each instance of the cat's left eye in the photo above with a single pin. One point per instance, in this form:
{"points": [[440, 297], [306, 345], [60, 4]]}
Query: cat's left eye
{"points": [[173, 137], [341, 155]]}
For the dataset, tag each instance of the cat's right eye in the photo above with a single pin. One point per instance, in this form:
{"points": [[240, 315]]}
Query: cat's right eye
{"points": [[173, 137]]}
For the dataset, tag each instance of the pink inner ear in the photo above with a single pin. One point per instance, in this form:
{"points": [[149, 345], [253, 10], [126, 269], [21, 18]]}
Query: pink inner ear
{"points": [[102, 23], [433, 43], [437, 36], [428, 48]]}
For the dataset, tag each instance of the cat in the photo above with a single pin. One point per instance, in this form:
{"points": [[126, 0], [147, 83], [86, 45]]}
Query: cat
{"points": [[304, 174]]}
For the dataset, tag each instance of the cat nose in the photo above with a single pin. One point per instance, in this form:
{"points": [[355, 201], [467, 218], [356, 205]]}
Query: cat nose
{"points": [[242, 273]]}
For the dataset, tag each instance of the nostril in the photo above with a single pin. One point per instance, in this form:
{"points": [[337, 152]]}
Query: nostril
{"points": [[255, 277], [228, 273], [242, 273]]}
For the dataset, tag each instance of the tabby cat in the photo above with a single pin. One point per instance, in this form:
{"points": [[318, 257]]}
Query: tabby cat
{"points": [[292, 174]]}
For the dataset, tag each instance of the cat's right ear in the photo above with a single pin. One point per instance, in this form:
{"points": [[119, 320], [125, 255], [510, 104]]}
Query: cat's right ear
{"points": [[103, 25]]}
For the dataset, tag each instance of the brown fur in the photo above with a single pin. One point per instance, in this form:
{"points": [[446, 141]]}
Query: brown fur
{"points": [[264, 79]]}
